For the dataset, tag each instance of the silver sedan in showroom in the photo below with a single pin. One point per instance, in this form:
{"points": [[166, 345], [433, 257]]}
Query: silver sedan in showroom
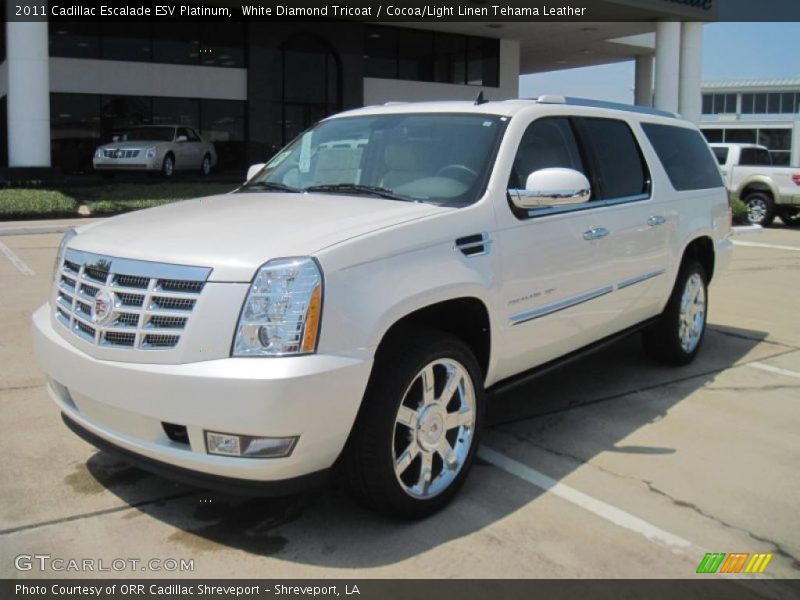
{"points": [[156, 149]]}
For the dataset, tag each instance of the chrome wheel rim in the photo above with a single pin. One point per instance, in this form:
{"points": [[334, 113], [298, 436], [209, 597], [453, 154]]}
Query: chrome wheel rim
{"points": [[757, 210], [168, 166], [434, 428], [692, 313], [206, 166]]}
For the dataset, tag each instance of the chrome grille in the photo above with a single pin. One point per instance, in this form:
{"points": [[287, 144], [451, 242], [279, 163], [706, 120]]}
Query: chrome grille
{"points": [[120, 153], [149, 303]]}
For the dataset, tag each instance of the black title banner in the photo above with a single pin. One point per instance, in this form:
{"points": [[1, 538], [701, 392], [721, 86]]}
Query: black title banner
{"points": [[408, 11]]}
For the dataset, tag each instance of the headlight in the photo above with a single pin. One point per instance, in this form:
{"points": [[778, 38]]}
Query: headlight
{"points": [[151, 153], [71, 233], [98, 153], [281, 313]]}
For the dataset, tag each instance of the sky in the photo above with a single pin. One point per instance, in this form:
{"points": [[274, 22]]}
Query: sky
{"points": [[730, 51]]}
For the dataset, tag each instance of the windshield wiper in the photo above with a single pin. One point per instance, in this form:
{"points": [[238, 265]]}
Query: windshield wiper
{"points": [[356, 188], [269, 185]]}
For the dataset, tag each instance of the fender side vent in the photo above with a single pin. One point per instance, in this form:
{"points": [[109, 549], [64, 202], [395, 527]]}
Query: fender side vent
{"points": [[474, 245]]}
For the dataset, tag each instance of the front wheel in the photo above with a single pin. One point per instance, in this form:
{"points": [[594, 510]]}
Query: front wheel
{"points": [[676, 337], [760, 209], [168, 166], [205, 166], [417, 432]]}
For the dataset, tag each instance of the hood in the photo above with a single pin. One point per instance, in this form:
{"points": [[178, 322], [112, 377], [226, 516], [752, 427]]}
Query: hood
{"points": [[234, 234]]}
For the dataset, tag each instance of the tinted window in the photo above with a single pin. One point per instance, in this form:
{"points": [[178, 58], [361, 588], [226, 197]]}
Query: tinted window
{"points": [[713, 135], [546, 143], [754, 157], [685, 156], [619, 169], [721, 154]]}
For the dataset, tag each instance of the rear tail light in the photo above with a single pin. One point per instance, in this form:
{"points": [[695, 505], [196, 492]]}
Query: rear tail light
{"points": [[796, 178]]}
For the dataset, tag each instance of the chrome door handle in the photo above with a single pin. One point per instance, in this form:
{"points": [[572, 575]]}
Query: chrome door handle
{"points": [[656, 220], [595, 233]]}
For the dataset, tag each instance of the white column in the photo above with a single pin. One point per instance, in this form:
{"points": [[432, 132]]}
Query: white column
{"points": [[643, 93], [668, 42], [28, 93], [691, 101]]}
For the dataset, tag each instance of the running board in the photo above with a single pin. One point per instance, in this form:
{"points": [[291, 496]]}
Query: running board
{"points": [[526, 376]]}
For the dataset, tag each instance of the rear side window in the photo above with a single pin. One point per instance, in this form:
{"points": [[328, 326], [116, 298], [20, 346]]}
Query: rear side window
{"points": [[618, 167], [721, 154], [755, 157], [685, 156]]}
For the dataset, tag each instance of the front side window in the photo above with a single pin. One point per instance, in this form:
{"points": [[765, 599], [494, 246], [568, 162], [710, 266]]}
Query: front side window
{"points": [[546, 143], [685, 156], [438, 158]]}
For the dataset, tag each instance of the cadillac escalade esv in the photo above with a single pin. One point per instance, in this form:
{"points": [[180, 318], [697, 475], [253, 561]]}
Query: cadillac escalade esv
{"points": [[344, 312]]}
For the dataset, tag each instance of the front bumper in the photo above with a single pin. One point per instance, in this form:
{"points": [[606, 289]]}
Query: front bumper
{"points": [[123, 405], [126, 164]]}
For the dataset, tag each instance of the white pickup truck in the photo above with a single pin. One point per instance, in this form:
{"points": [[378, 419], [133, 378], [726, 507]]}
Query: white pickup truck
{"points": [[768, 191]]}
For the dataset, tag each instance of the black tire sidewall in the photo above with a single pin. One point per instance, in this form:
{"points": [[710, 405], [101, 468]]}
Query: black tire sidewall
{"points": [[392, 375]]}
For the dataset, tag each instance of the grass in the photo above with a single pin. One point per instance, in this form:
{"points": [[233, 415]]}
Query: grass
{"points": [[100, 200], [26, 204], [740, 211]]}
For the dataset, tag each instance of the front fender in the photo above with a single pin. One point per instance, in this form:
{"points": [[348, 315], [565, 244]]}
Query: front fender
{"points": [[759, 179]]}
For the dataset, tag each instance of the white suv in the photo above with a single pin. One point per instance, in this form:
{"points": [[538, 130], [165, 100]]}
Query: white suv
{"points": [[346, 310]]}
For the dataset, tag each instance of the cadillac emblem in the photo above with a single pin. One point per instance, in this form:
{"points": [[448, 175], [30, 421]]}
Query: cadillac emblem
{"points": [[101, 309]]}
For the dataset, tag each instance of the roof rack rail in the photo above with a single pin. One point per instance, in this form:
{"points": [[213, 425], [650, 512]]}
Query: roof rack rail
{"points": [[603, 104]]}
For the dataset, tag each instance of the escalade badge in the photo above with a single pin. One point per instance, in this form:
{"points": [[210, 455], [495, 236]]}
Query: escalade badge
{"points": [[101, 310]]}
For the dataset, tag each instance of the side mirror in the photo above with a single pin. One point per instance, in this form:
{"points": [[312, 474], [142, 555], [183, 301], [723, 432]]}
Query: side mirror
{"points": [[547, 188], [181, 138], [253, 170]]}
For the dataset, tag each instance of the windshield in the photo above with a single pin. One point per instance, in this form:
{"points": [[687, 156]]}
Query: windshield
{"points": [[439, 158], [147, 134]]}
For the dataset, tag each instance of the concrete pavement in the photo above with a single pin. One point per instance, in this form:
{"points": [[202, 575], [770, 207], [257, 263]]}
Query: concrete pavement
{"points": [[653, 466]]}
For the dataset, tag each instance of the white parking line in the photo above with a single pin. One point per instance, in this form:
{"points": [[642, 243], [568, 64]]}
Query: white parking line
{"points": [[771, 369], [601, 509], [16, 260], [760, 245]]}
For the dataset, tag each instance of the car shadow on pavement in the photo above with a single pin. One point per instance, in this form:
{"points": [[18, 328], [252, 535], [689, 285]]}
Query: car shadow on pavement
{"points": [[326, 529]]}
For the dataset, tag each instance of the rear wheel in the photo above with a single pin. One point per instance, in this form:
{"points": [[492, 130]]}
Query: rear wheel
{"points": [[790, 216], [676, 337], [760, 209], [417, 432]]}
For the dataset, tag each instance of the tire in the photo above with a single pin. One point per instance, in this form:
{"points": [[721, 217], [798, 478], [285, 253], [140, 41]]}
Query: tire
{"points": [[790, 216], [760, 209], [396, 422], [205, 166], [168, 166], [676, 337]]}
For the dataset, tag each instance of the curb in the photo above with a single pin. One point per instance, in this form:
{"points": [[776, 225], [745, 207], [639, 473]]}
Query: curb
{"points": [[746, 229]]}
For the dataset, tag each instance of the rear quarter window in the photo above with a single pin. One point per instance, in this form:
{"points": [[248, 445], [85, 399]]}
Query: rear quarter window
{"points": [[685, 156]]}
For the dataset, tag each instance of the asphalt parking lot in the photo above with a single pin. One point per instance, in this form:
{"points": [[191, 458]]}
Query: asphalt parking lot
{"points": [[611, 467]]}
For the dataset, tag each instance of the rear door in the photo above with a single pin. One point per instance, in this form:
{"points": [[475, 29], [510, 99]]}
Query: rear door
{"points": [[638, 227]]}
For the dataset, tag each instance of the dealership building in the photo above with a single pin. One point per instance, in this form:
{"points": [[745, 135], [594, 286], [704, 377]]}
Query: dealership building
{"points": [[765, 112], [66, 87]]}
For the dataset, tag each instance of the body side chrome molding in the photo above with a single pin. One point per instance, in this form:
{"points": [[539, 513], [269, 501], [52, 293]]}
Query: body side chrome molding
{"points": [[529, 315]]}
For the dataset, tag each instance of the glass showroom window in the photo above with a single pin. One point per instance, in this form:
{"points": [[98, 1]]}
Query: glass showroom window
{"points": [[222, 122], [74, 40], [75, 131], [176, 111]]}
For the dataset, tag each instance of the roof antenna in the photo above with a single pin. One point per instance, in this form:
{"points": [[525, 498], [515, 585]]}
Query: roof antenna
{"points": [[480, 99]]}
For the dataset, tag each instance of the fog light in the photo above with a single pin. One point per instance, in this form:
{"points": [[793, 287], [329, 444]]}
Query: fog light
{"points": [[228, 444]]}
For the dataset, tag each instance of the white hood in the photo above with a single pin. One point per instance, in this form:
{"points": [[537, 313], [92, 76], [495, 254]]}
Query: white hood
{"points": [[234, 234]]}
